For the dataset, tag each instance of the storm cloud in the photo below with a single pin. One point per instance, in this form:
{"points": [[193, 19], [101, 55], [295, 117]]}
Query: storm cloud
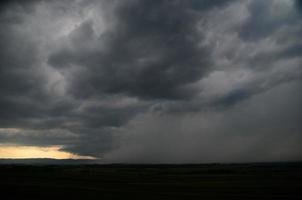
{"points": [[153, 80]]}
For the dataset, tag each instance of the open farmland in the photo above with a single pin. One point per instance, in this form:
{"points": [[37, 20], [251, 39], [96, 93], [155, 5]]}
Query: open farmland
{"points": [[212, 181]]}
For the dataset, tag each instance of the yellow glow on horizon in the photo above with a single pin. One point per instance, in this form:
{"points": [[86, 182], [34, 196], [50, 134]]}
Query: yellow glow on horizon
{"points": [[23, 152]]}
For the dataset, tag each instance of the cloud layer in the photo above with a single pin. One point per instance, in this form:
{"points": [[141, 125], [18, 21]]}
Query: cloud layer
{"points": [[153, 80]]}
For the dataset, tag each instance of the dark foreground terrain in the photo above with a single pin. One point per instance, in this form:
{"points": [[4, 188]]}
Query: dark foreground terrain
{"points": [[214, 181]]}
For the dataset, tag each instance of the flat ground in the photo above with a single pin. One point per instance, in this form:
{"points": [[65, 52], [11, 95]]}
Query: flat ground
{"points": [[215, 181]]}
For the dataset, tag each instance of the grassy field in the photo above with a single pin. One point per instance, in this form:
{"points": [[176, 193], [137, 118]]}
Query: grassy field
{"points": [[215, 181]]}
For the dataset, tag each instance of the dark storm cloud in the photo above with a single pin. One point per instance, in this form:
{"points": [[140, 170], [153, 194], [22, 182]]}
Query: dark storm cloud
{"points": [[110, 117], [24, 102], [232, 98], [152, 80], [92, 142], [299, 4], [17, 81], [24, 4], [208, 4], [152, 53], [292, 51]]}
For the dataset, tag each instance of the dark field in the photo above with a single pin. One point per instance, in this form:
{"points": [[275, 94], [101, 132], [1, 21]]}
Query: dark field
{"points": [[215, 181]]}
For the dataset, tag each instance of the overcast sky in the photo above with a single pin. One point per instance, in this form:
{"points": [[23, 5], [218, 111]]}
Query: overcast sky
{"points": [[161, 81]]}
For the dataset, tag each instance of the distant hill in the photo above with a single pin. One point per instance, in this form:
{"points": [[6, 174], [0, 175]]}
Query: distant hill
{"points": [[47, 161]]}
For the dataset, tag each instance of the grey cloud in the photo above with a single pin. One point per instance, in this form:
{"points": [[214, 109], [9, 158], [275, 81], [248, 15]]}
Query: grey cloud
{"points": [[264, 20], [153, 80]]}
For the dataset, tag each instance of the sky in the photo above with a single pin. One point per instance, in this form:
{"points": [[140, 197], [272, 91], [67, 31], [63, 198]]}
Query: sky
{"points": [[151, 81]]}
